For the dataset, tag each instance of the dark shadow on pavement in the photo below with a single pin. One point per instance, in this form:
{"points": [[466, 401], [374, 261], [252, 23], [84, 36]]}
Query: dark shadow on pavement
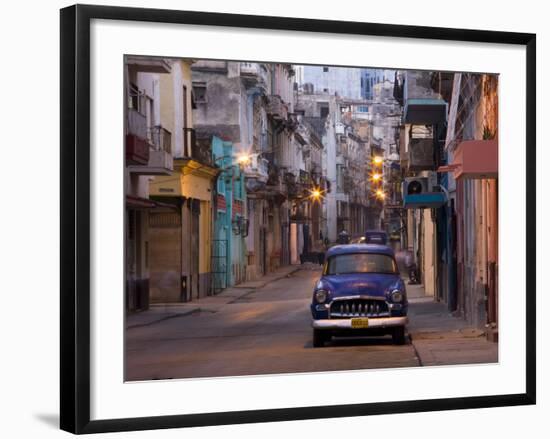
{"points": [[356, 341], [360, 341]]}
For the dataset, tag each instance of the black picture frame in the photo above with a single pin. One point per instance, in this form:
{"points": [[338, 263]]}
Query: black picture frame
{"points": [[75, 217]]}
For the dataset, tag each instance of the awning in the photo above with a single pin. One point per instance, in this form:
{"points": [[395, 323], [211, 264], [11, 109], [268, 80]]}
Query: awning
{"points": [[474, 159], [426, 200], [424, 111], [133, 202]]}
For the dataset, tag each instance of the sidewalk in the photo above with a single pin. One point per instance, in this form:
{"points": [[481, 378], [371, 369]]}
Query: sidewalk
{"points": [[440, 338], [164, 311]]}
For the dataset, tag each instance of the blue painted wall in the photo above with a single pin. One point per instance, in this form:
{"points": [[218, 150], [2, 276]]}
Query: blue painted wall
{"points": [[229, 261]]}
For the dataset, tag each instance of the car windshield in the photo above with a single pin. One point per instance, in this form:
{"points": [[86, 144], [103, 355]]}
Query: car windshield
{"points": [[360, 263]]}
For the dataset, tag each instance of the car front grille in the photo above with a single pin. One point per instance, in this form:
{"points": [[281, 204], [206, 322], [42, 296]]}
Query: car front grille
{"points": [[341, 309]]}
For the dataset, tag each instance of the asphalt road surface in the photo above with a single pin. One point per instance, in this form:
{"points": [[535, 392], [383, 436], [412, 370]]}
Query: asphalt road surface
{"points": [[262, 331]]}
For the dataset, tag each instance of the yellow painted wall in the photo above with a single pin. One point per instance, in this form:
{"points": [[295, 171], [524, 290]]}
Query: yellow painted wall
{"points": [[190, 186], [167, 186], [429, 252], [205, 225], [194, 186], [171, 89]]}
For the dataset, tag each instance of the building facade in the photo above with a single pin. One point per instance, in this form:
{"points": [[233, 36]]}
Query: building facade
{"points": [[147, 155], [181, 230], [450, 137], [230, 223]]}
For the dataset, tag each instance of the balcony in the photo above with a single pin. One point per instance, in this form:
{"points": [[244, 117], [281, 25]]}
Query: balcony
{"points": [[147, 154], [305, 178], [150, 64], [474, 159], [420, 148], [291, 187], [254, 75], [160, 156], [276, 108], [422, 105], [137, 147], [258, 169]]}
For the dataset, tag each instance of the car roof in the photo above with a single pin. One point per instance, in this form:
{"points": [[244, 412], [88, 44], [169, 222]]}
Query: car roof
{"points": [[382, 232], [360, 248]]}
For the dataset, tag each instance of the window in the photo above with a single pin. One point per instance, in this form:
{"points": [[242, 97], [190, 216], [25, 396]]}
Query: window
{"points": [[339, 178], [361, 263], [199, 92], [136, 99], [324, 112], [325, 69]]}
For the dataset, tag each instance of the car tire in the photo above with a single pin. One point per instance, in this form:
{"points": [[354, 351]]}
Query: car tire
{"points": [[320, 338], [398, 335]]}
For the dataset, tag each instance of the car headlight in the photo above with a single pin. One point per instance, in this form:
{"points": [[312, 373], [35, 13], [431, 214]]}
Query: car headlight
{"points": [[397, 296], [321, 296]]}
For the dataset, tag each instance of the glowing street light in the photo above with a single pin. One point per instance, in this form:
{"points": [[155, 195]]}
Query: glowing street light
{"points": [[376, 176], [380, 194], [377, 160], [243, 158], [315, 194]]}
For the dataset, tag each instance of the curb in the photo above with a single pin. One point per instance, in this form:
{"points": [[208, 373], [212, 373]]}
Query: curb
{"points": [[161, 319], [440, 335], [267, 282]]}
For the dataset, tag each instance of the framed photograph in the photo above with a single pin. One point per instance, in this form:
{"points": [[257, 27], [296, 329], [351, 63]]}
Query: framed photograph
{"points": [[275, 218]]}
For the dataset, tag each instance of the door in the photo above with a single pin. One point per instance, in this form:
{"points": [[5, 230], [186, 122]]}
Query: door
{"points": [[263, 251], [194, 250], [131, 260]]}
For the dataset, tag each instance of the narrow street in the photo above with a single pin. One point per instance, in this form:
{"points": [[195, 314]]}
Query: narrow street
{"points": [[264, 328]]}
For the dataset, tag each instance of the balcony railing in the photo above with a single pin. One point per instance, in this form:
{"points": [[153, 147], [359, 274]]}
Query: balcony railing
{"points": [[421, 148], [137, 123], [254, 74], [194, 150], [148, 151], [257, 168], [161, 139], [137, 147], [305, 178]]}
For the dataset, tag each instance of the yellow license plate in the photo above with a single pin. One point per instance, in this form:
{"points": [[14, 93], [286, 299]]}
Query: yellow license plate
{"points": [[360, 323]]}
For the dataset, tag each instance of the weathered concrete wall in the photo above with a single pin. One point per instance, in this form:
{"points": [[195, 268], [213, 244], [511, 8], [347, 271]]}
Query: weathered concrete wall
{"points": [[221, 114]]}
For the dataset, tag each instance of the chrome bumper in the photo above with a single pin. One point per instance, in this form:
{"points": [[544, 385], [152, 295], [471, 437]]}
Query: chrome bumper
{"points": [[374, 322]]}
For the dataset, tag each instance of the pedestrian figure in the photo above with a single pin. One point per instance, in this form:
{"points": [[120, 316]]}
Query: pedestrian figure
{"points": [[410, 265], [343, 237]]}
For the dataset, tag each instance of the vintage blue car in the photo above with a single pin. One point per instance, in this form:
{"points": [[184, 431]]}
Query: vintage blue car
{"points": [[360, 293]]}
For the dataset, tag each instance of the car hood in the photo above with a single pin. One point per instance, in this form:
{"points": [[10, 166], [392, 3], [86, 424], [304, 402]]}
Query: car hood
{"points": [[371, 284]]}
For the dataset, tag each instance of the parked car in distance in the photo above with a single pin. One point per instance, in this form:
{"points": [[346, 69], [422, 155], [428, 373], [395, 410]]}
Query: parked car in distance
{"points": [[360, 293], [376, 237]]}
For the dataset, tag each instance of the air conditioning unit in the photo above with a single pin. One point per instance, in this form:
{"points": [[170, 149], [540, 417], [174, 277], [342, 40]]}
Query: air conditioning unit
{"points": [[415, 185], [422, 193]]}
